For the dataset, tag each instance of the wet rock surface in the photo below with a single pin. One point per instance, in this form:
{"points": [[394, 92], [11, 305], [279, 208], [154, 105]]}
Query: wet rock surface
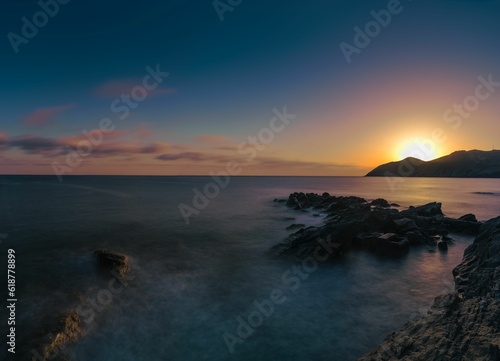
{"points": [[464, 324]]}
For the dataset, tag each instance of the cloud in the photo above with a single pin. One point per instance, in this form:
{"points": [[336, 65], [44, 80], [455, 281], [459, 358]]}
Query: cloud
{"points": [[269, 162], [263, 162], [128, 149], [33, 144], [137, 151], [115, 88], [153, 148], [54, 147], [43, 116], [193, 156]]}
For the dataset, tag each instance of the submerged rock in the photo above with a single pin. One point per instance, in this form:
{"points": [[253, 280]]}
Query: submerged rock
{"points": [[113, 261], [442, 245], [419, 237], [391, 244]]}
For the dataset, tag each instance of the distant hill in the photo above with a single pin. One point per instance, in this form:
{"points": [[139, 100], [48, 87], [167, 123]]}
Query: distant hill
{"points": [[460, 164]]}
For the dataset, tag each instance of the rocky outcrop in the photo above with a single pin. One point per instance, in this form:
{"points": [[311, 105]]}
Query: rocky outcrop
{"points": [[461, 164], [50, 342], [66, 331], [375, 226], [112, 261], [463, 325]]}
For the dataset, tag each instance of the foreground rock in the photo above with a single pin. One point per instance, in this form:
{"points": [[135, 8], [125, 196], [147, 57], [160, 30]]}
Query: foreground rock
{"points": [[112, 261], [51, 342], [463, 325], [66, 331], [375, 226]]}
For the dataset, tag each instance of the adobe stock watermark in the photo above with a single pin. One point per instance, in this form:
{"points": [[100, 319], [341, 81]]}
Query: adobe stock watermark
{"points": [[291, 280], [87, 309], [121, 108], [30, 27], [455, 116], [249, 148], [364, 36], [223, 6]]}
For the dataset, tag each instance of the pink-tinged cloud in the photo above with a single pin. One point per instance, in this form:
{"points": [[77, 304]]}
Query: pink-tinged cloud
{"points": [[115, 88], [43, 116]]}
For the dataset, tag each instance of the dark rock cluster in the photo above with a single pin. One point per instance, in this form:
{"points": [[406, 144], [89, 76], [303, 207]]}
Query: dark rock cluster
{"points": [[376, 225]]}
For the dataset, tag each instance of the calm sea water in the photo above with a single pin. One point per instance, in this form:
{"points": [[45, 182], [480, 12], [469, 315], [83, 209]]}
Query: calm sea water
{"points": [[192, 282]]}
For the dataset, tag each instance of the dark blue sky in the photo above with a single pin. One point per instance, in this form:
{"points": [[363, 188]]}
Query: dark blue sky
{"points": [[227, 76]]}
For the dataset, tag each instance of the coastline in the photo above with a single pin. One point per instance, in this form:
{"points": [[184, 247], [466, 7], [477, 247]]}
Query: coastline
{"points": [[461, 325], [264, 214]]}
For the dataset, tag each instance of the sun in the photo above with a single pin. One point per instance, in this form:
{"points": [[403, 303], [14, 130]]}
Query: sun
{"points": [[424, 149]]}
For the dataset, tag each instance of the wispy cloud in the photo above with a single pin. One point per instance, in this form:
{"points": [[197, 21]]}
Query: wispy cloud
{"points": [[130, 147], [54, 147], [33, 144], [192, 156], [43, 116], [270, 162], [262, 162]]}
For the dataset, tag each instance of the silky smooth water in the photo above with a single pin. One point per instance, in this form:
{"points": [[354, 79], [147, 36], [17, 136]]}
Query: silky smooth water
{"points": [[192, 282]]}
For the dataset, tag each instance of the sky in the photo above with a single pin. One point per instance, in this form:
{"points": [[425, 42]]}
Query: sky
{"points": [[328, 88]]}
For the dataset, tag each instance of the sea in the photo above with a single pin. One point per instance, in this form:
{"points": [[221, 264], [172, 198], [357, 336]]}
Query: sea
{"points": [[203, 277]]}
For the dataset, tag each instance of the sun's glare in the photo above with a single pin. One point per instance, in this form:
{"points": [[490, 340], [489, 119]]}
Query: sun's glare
{"points": [[419, 148]]}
